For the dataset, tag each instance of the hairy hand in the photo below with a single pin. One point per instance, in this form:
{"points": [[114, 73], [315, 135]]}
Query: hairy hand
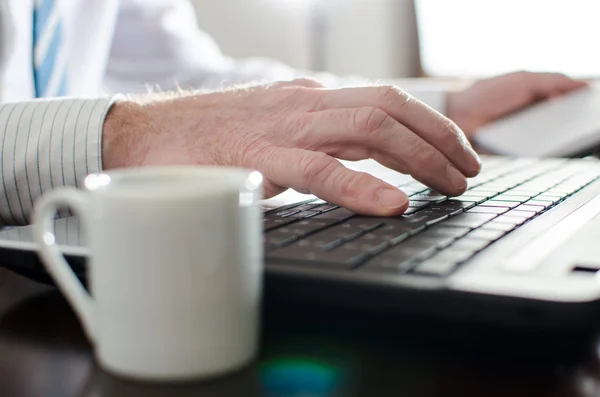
{"points": [[293, 133]]}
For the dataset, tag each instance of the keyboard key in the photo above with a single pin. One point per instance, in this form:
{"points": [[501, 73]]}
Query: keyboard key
{"points": [[411, 211], [365, 223], [304, 214], [560, 192], [522, 213], [270, 224], [518, 191], [392, 233], [471, 198], [508, 197], [338, 259], [445, 231], [412, 247], [416, 206], [469, 220], [539, 203], [503, 184], [279, 241], [440, 242], [453, 255], [469, 244], [429, 196], [487, 234], [306, 207], [288, 234], [504, 227], [553, 196], [411, 191], [323, 243], [402, 258], [482, 192], [547, 198], [435, 267], [283, 236], [422, 219], [311, 225], [488, 210], [299, 228], [324, 207], [338, 214], [332, 237], [438, 216], [532, 208], [493, 188], [506, 204], [452, 207], [512, 220], [370, 243], [287, 213], [418, 203]]}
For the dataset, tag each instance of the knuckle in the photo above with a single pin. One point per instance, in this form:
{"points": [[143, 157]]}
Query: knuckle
{"points": [[292, 91], [522, 73], [262, 157], [317, 167], [389, 91], [353, 183], [295, 97], [424, 156], [394, 95], [449, 132], [562, 77], [303, 123], [369, 119], [307, 82]]}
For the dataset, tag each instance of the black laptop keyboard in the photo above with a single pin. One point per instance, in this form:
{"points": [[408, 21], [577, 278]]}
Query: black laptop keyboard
{"points": [[437, 234]]}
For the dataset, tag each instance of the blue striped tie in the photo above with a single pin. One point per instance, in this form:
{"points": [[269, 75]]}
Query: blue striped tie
{"points": [[49, 58]]}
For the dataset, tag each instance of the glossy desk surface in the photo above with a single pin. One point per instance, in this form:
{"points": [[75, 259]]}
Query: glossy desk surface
{"points": [[43, 353]]}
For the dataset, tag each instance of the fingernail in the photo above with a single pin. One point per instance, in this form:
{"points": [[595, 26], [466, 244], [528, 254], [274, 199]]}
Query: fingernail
{"points": [[457, 180], [469, 149], [476, 157], [391, 198]]}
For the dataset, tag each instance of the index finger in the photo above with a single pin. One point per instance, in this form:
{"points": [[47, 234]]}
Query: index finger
{"points": [[431, 126], [327, 178]]}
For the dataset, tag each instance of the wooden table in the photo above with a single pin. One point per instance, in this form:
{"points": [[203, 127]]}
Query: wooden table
{"points": [[43, 353]]}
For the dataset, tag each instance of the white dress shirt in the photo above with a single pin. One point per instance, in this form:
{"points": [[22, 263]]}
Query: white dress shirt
{"points": [[113, 46]]}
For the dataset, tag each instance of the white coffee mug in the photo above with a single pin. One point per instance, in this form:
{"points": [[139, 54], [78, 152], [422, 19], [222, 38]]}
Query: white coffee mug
{"points": [[175, 268]]}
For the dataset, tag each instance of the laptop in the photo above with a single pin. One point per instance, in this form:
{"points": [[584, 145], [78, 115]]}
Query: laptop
{"points": [[521, 247]]}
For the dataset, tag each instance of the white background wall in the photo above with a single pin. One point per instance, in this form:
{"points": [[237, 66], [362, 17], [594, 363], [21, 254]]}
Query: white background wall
{"points": [[372, 38]]}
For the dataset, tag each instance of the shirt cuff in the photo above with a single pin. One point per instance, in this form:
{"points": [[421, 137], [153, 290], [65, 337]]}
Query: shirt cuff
{"points": [[47, 144]]}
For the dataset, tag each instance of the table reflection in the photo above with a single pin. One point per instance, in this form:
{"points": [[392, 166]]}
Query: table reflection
{"points": [[306, 351]]}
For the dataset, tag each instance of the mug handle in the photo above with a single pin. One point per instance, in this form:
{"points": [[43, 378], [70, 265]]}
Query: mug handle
{"points": [[52, 258]]}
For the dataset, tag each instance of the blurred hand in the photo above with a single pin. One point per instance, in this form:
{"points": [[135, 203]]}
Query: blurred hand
{"points": [[292, 133], [491, 99]]}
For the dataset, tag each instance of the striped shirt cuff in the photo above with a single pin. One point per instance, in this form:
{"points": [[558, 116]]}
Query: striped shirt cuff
{"points": [[46, 144]]}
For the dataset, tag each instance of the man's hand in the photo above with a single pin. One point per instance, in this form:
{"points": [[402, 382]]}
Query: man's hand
{"points": [[292, 133], [491, 99]]}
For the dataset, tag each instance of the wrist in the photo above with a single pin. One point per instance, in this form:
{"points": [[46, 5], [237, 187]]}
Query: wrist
{"points": [[122, 124]]}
